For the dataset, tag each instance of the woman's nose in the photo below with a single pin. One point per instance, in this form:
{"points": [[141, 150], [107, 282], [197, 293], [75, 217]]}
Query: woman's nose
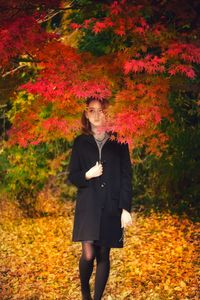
{"points": [[97, 114]]}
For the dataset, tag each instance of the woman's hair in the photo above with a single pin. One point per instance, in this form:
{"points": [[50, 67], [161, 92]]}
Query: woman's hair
{"points": [[86, 127]]}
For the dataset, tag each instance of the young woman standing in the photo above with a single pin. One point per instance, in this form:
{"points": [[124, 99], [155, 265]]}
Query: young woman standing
{"points": [[101, 170]]}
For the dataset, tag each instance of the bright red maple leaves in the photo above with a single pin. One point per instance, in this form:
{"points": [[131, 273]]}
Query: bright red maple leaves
{"points": [[135, 78]]}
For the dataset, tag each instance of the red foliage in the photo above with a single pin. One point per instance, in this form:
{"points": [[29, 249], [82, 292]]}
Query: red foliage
{"points": [[149, 64], [184, 69], [22, 131], [55, 123], [135, 77], [49, 90], [22, 36], [122, 18], [92, 88], [187, 52]]}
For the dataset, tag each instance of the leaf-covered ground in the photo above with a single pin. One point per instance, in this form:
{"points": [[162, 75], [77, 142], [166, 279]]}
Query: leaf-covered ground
{"points": [[39, 261]]}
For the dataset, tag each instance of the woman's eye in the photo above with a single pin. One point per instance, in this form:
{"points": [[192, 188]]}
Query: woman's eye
{"points": [[93, 111]]}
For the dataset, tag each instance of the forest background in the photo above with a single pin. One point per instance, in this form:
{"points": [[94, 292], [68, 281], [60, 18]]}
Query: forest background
{"points": [[142, 55]]}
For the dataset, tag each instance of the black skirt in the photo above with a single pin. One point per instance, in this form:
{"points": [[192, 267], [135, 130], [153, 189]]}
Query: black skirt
{"points": [[111, 234]]}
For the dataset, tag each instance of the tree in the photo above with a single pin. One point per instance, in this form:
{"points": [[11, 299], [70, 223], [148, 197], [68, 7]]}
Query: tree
{"points": [[132, 54]]}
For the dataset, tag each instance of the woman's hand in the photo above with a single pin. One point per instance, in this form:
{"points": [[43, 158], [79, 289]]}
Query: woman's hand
{"points": [[95, 171], [126, 219]]}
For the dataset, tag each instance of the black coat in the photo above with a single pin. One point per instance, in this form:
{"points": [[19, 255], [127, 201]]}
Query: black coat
{"points": [[112, 190]]}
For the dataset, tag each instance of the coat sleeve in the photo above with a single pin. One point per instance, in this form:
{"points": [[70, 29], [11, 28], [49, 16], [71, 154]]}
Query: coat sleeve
{"points": [[76, 172], [126, 179]]}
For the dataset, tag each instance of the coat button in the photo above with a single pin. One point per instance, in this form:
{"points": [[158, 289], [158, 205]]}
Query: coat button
{"points": [[103, 184]]}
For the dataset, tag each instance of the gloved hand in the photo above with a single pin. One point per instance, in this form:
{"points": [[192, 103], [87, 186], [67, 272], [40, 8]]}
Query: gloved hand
{"points": [[126, 219], [95, 171]]}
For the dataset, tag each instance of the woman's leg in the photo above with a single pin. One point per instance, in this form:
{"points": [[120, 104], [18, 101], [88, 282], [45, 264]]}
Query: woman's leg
{"points": [[102, 270], [86, 264]]}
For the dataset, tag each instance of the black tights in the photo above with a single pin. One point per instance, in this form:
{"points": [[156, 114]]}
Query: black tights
{"points": [[86, 264]]}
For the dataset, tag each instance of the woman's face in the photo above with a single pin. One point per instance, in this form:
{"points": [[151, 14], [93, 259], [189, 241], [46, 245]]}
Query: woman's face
{"points": [[95, 114]]}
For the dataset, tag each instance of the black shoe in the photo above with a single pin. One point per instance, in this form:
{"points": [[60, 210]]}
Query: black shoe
{"points": [[88, 297]]}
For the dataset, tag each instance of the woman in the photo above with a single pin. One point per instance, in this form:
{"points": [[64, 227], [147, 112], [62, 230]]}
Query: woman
{"points": [[101, 169]]}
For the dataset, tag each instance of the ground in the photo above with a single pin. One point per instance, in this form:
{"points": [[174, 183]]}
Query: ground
{"points": [[38, 260]]}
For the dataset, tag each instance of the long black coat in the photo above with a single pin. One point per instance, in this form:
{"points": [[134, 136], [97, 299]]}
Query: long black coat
{"points": [[112, 190]]}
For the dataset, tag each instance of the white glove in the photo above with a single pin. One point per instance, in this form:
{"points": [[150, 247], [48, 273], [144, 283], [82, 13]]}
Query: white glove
{"points": [[126, 219], [95, 171]]}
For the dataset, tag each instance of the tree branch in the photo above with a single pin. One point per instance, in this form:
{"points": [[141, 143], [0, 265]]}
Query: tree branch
{"points": [[12, 71], [50, 16]]}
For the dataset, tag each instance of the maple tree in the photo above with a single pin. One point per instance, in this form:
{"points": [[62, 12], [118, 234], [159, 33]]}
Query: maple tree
{"points": [[135, 69]]}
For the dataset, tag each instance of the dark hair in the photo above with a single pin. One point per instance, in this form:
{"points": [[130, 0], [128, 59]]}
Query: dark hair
{"points": [[86, 127]]}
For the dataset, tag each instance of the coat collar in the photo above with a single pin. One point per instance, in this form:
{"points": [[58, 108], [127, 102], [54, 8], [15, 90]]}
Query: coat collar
{"points": [[90, 138]]}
